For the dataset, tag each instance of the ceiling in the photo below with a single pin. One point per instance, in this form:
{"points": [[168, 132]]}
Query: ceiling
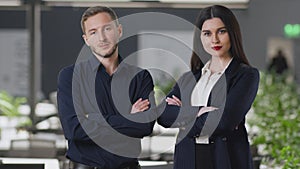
{"points": [[134, 3]]}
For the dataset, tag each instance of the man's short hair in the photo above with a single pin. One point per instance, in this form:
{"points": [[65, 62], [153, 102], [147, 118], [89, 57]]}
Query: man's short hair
{"points": [[94, 11]]}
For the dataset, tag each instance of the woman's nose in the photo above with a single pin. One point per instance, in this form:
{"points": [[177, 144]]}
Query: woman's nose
{"points": [[215, 38]]}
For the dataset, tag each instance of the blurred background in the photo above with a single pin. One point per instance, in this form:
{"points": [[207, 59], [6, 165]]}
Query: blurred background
{"points": [[40, 37]]}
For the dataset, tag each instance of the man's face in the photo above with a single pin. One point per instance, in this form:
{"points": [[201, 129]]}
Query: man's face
{"points": [[102, 34]]}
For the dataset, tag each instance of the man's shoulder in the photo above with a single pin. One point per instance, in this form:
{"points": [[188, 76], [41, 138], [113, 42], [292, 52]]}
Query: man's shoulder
{"points": [[66, 72], [67, 68], [128, 68]]}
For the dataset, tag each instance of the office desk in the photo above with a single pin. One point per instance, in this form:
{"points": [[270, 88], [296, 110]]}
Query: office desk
{"points": [[48, 163]]}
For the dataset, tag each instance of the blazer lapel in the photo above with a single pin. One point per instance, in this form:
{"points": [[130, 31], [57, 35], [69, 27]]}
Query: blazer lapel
{"points": [[231, 71]]}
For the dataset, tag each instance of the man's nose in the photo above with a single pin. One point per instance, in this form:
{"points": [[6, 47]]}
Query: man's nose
{"points": [[101, 36]]}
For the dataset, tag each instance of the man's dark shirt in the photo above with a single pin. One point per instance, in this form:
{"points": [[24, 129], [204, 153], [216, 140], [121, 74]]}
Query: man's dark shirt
{"points": [[81, 145]]}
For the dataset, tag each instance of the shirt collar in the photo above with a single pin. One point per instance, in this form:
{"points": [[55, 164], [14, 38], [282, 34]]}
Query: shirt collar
{"points": [[227, 65], [95, 63], [206, 67]]}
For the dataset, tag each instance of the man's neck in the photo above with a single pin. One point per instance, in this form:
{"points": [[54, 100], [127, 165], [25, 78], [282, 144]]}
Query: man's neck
{"points": [[110, 64]]}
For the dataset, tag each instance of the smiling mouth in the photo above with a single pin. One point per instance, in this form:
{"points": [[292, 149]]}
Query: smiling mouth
{"points": [[217, 47]]}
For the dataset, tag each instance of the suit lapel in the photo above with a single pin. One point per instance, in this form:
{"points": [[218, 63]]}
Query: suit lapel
{"points": [[231, 71]]}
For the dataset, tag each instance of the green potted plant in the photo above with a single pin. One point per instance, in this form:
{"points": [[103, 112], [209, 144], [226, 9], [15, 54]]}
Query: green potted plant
{"points": [[9, 108], [9, 105], [276, 117]]}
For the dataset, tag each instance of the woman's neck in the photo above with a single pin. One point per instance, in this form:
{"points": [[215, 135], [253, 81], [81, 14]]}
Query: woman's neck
{"points": [[218, 64]]}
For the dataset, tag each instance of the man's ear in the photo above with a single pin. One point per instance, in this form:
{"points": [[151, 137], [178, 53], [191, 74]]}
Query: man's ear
{"points": [[85, 40], [120, 30]]}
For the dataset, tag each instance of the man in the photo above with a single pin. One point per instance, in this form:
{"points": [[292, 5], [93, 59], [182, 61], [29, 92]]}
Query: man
{"points": [[101, 136], [278, 64]]}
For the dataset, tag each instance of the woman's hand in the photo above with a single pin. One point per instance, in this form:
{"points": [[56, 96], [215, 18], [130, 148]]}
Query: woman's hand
{"points": [[206, 109], [139, 106], [173, 101], [177, 102]]}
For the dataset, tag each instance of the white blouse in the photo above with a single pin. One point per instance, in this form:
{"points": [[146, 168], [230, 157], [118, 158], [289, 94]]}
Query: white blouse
{"points": [[202, 89]]}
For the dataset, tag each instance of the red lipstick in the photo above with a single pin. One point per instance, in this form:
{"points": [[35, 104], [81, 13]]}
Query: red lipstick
{"points": [[217, 47]]}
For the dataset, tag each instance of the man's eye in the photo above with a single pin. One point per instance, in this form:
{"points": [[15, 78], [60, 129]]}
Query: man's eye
{"points": [[107, 29], [92, 33]]}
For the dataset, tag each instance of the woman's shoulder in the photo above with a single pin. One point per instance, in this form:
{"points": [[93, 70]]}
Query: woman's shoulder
{"points": [[248, 70], [190, 74], [188, 79]]}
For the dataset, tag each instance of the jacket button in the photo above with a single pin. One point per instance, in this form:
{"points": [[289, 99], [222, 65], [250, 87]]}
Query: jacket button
{"points": [[224, 139]]}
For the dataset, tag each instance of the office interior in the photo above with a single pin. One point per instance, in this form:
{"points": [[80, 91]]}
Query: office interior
{"points": [[40, 37]]}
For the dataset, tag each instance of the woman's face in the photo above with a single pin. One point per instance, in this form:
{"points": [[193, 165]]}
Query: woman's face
{"points": [[215, 38]]}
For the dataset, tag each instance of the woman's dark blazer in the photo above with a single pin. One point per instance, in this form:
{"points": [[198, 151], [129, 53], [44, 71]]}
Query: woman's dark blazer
{"points": [[229, 138]]}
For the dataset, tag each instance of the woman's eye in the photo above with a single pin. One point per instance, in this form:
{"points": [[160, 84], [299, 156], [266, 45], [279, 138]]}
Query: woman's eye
{"points": [[222, 31], [206, 33]]}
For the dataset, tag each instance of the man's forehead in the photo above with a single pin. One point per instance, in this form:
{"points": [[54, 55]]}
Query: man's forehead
{"points": [[100, 20], [96, 25], [102, 16]]}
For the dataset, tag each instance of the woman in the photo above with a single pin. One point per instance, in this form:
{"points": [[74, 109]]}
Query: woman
{"points": [[223, 92]]}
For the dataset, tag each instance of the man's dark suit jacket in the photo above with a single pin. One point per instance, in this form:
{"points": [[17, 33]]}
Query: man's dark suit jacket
{"points": [[94, 138]]}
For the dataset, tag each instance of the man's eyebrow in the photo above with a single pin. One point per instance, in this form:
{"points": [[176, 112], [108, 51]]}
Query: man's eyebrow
{"points": [[105, 25], [91, 30]]}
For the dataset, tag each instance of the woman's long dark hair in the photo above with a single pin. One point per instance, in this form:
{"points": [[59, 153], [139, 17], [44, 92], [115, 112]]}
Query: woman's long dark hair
{"points": [[232, 26]]}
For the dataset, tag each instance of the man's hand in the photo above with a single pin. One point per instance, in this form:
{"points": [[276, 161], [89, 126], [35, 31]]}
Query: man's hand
{"points": [[173, 101], [139, 106]]}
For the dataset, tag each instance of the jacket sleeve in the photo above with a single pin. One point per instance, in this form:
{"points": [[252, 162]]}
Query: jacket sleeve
{"points": [[170, 112], [180, 117], [141, 87], [238, 101], [95, 127], [68, 116]]}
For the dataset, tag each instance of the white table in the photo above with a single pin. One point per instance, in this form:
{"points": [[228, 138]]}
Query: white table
{"points": [[49, 163]]}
